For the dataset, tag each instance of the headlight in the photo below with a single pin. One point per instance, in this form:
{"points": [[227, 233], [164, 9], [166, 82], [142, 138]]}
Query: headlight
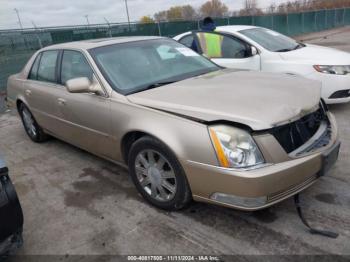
{"points": [[235, 147], [333, 69]]}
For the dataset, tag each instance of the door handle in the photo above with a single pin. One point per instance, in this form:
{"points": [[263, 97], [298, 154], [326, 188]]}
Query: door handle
{"points": [[28, 92], [61, 101]]}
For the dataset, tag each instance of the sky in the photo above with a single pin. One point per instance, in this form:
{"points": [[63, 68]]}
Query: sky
{"points": [[72, 12]]}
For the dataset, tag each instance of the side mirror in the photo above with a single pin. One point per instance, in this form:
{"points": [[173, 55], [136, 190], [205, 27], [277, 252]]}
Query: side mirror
{"points": [[254, 51], [84, 85]]}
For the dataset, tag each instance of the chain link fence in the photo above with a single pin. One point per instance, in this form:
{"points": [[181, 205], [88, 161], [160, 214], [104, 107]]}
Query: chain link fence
{"points": [[16, 46]]}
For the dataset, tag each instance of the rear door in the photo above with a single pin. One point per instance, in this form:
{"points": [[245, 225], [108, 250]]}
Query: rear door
{"points": [[41, 89], [226, 50]]}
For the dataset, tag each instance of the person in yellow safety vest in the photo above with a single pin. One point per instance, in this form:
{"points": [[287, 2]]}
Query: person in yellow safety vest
{"points": [[211, 44]]}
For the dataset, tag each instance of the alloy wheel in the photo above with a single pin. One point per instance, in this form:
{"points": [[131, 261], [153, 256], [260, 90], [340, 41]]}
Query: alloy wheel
{"points": [[155, 175], [29, 122]]}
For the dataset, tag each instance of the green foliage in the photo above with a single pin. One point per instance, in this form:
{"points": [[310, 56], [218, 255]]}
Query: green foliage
{"points": [[146, 20]]}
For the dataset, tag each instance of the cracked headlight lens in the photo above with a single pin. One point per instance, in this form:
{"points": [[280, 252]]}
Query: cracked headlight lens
{"points": [[235, 148]]}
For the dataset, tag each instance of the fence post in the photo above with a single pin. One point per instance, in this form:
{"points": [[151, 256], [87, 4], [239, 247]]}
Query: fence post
{"points": [[159, 30], [287, 24], [228, 20], [315, 21], [272, 22], [302, 22], [39, 40], [326, 24], [109, 30], [344, 16], [24, 39]]}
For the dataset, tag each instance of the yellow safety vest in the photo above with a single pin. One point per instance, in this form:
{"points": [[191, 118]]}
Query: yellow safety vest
{"points": [[211, 44]]}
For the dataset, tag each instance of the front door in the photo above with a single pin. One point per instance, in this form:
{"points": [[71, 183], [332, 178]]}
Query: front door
{"points": [[86, 116], [227, 51]]}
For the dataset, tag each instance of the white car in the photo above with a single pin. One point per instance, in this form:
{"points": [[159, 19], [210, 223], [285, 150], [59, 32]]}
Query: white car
{"points": [[261, 49]]}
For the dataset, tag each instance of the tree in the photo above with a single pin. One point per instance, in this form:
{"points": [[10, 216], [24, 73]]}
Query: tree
{"points": [[214, 8], [250, 8], [272, 8], [161, 16], [250, 4], [146, 20], [188, 12], [185, 12], [174, 13], [307, 5]]}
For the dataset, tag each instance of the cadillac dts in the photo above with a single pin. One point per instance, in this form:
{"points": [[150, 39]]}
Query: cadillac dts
{"points": [[185, 127]]}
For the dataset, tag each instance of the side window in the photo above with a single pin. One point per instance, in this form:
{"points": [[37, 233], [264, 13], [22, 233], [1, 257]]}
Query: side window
{"points": [[187, 40], [221, 46], [74, 65], [47, 67], [34, 71]]}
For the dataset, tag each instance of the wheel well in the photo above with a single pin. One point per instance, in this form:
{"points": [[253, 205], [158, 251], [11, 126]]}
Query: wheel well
{"points": [[128, 140], [18, 103]]}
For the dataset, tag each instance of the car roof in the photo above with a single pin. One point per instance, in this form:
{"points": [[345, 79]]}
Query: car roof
{"points": [[234, 28], [223, 29], [92, 43]]}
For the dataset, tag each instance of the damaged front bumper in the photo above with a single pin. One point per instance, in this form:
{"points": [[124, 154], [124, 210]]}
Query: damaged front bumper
{"points": [[284, 176]]}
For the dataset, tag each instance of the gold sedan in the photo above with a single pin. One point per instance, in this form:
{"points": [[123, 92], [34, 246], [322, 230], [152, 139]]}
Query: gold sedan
{"points": [[185, 127]]}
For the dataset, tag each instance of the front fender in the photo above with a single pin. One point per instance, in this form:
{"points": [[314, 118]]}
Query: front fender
{"points": [[189, 140]]}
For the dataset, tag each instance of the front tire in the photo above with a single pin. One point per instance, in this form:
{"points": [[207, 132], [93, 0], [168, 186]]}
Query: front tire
{"points": [[32, 128], [158, 175]]}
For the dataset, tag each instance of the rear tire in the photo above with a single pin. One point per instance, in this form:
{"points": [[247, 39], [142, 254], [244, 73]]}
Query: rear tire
{"points": [[32, 128], [158, 175]]}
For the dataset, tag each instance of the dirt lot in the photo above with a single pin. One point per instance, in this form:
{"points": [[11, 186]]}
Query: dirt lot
{"points": [[337, 38], [76, 203]]}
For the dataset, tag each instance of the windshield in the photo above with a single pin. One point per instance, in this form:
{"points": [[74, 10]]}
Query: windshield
{"points": [[136, 66], [271, 40]]}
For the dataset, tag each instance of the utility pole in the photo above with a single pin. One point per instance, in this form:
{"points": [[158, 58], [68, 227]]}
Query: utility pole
{"points": [[87, 19], [34, 25], [109, 26], [127, 13], [19, 19], [107, 22]]}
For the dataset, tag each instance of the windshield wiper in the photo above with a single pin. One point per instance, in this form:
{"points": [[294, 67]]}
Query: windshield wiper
{"points": [[299, 45], [155, 85], [285, 50]]}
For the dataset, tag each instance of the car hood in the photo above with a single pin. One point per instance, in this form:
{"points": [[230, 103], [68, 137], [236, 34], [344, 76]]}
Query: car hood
{"points": [[258, 100], [318, 55]]}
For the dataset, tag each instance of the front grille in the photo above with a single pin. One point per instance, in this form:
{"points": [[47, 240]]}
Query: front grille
{"points": [[295, 134]]}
